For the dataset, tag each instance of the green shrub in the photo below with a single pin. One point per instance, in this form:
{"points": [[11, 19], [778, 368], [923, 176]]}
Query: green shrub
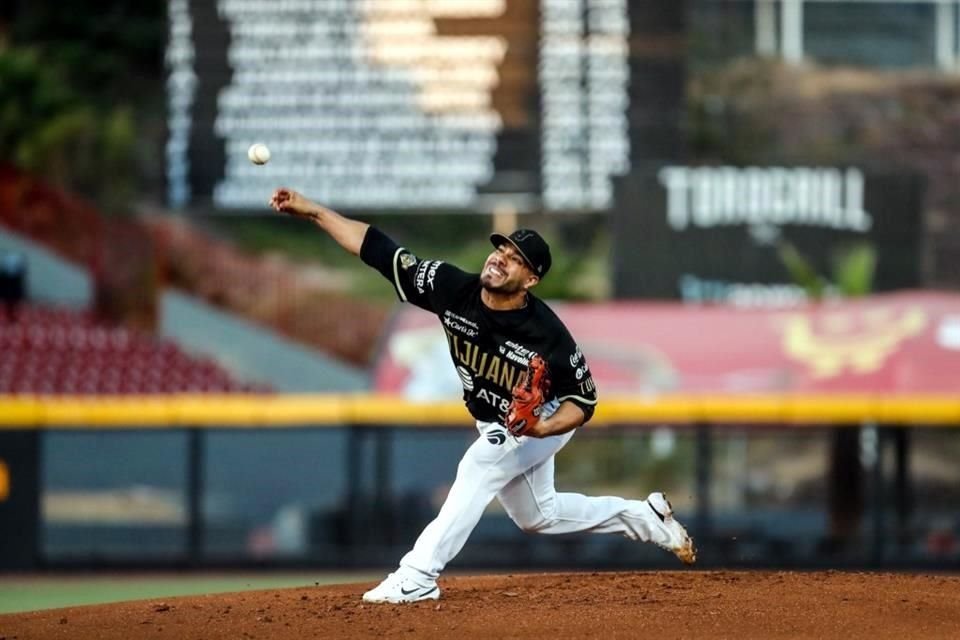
{"points": [[55, 133]]}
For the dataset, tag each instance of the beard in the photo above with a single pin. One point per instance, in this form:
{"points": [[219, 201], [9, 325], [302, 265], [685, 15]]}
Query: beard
{"points": [[505, 288]]}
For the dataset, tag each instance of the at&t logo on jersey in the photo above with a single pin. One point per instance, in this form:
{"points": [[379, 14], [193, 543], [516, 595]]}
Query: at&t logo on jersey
{"points": [[502, 403], [465, 377]]}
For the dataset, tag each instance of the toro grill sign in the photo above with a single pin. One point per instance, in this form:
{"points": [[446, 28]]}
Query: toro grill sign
{"points": [[762, 198], [716, 233]]}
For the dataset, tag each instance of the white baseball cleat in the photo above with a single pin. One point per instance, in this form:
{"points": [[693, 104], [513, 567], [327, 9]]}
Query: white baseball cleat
{"points": [[396, 589], [675, 537]]}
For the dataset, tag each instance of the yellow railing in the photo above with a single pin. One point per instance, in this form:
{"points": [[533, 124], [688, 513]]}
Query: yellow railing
{"points": [[19, 412]]}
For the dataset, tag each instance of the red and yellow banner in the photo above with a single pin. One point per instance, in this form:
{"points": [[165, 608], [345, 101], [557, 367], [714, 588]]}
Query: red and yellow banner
{"points": [[890, 345]]}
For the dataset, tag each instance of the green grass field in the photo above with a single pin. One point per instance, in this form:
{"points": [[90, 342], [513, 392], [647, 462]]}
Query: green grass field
{"points": [[30, 593]]}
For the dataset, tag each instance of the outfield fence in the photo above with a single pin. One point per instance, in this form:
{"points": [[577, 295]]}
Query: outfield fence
{"points": [[348, 481]]}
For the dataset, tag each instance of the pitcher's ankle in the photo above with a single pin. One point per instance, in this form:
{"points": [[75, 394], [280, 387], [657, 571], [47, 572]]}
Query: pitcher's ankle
{"points": [[417, 576]]}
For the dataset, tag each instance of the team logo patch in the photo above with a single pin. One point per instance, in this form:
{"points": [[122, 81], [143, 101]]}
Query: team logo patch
{"points": [[496, 437], [407, 260]]}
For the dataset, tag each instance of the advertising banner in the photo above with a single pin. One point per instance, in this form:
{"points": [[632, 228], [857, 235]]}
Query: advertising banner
{"points": [[905, 343], [719, 233]]}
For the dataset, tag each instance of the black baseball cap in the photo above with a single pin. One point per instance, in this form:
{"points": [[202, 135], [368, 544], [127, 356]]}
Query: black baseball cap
{"points": [[531, 246]]}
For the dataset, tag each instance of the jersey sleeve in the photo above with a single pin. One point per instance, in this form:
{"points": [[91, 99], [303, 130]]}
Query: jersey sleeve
{"points": [[429, 284], [571, 379]]}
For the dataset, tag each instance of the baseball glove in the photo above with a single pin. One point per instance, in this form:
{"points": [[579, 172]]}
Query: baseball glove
{"points": [[529, 394]]}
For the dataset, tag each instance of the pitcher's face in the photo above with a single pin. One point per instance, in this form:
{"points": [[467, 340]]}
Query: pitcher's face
{"points": [[505, 271]]}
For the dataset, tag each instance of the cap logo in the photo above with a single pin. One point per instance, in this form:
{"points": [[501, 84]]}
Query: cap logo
{"points": [[531, 247]]}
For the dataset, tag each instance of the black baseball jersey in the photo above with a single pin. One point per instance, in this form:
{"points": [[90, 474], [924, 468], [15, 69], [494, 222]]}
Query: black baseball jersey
{"points": [[489, 348]]}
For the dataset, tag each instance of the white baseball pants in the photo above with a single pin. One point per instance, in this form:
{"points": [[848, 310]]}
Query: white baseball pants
{"points": [[519, 473]]}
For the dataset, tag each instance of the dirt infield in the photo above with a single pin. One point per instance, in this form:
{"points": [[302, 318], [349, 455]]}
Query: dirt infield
{"points": [[663, 605]]}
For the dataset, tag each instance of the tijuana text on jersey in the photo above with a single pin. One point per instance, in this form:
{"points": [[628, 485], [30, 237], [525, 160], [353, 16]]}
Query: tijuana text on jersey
{"points": [[489, 348]]}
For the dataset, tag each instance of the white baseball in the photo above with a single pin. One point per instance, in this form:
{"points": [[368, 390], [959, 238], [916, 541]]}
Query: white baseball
{"points": [[258, 153]]}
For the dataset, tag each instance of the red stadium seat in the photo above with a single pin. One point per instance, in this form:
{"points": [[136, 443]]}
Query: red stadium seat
{"points": [[60, 351]]}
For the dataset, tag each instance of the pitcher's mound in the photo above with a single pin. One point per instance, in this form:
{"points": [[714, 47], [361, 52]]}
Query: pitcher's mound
{"points": [[661, 605]]}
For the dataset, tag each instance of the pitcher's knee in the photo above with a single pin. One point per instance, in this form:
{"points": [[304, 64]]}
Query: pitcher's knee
{"points": [[533, 525], [536, 518]]}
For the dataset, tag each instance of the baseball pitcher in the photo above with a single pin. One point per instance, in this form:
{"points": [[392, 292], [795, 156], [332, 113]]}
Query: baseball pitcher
{"points": [[526, 383]]}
